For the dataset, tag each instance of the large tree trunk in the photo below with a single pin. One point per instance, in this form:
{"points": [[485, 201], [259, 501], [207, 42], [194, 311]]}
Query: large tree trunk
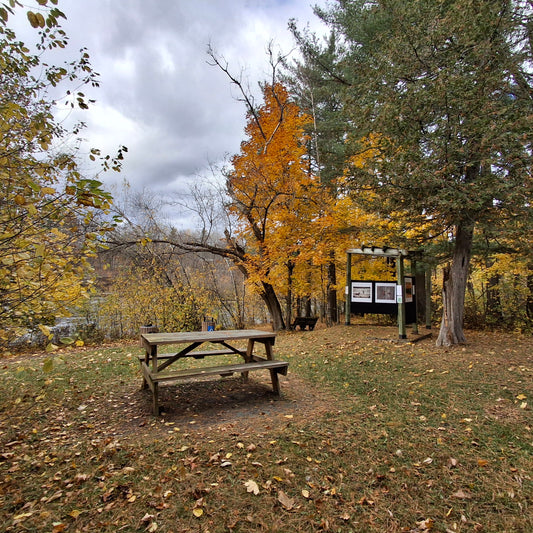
{"points": [[268, 295], [454, 288]]}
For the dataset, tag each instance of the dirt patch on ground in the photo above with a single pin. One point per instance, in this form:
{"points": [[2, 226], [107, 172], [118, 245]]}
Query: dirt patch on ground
{"points": [[220, 405]]}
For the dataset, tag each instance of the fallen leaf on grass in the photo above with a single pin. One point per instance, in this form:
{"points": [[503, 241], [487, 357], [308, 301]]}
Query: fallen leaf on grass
{"points": [[425, 525], [198, 512], [251, 486], [462, 494], [20, 517], [305, 493], [521, 397], [452, 463], [288, 503]]}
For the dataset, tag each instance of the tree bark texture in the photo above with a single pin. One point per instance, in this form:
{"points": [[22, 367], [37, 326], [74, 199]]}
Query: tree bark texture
{"points": [[454, 288], [269, 297]]}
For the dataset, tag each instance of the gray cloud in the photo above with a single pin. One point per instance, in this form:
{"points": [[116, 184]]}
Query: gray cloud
{"points": [[158, 95]]}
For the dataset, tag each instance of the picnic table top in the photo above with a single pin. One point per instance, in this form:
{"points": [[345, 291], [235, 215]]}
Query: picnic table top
{"points": [[157, 339]]}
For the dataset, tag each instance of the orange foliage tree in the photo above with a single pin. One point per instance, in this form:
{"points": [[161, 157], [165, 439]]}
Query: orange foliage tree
{"points": [[272, 196]]}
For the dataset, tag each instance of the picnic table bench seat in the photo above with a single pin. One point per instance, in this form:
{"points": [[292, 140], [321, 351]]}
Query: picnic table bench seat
{"points": [[304, 322], [279, 367]]}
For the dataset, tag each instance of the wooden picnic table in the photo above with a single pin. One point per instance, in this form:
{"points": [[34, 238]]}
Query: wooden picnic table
{"points": [[155, 366]]}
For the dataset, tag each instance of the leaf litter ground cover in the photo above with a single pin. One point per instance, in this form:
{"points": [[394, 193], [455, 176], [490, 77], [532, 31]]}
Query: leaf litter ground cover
{"points": [[370, 434]]}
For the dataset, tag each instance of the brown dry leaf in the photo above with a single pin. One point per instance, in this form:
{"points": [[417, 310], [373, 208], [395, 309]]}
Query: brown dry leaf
{"points": [[452, 463], [425, 525], [482, 462], [58, 527], [462, 494], [365, 501], [288, 503]]}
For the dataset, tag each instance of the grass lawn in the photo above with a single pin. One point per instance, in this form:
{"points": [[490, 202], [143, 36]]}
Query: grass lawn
{"points": [[370, 435]]}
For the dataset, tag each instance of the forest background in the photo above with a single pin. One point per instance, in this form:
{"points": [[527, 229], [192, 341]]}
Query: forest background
{"points": [[409, 126]]}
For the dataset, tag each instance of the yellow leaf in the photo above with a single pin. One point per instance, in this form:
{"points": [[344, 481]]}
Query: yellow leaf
{"points": [[48, 365], [482, 462], [521, 397], [21, 517], [45, 330], [198, 512], [75, 513]]}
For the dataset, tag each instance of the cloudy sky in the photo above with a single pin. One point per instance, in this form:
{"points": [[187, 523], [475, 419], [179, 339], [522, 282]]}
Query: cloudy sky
{"points": [[158, 95]]}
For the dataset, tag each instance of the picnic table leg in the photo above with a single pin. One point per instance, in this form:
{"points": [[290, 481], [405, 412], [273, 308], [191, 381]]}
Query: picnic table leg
{"points": [[155, 384], [248, 357], [275, 381], [147, 361], [155, 399], [274, 377]]}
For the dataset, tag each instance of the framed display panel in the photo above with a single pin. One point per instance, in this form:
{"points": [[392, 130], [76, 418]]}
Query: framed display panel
{"points": [[362, 291], [388, 305], [385, 293]]}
